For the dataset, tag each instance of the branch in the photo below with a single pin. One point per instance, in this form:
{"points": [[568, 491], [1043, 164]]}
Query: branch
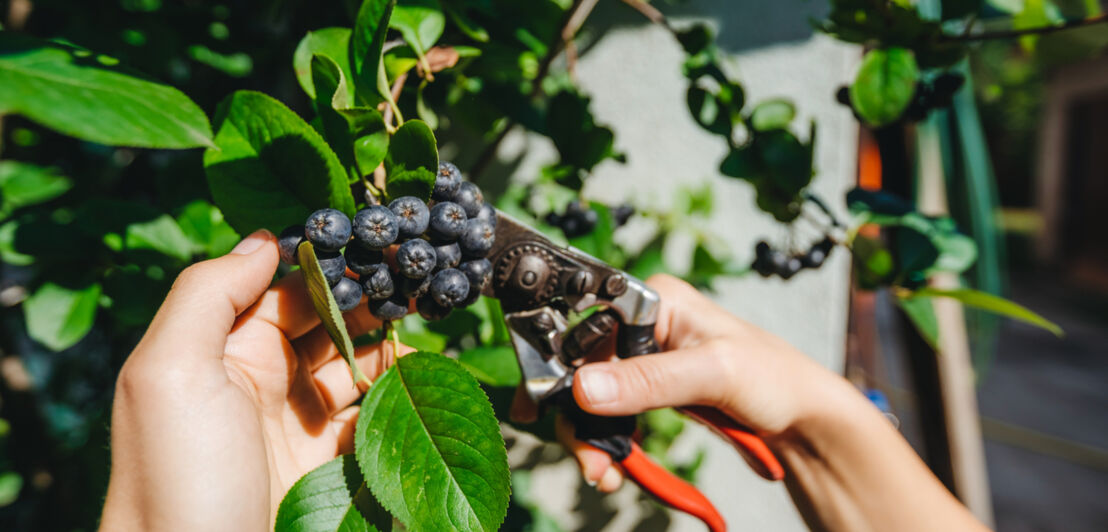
{"points": [[1012, 34], [650, 12]]}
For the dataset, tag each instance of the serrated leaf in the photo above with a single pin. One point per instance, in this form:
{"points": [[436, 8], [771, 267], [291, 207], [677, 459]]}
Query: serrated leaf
{"points": [[89, 96], [371, 25], [59, 316], [325, 306], [991, 303], [430, 447], [271, 169], [331, 498], [772, 114], [23, 184], [357, 134], [884, 85], [333, 43], [411, 162], [494, 365]]}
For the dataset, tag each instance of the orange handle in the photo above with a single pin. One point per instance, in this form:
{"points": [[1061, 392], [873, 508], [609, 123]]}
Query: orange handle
{"points": [[670, 489], [752, 448]]}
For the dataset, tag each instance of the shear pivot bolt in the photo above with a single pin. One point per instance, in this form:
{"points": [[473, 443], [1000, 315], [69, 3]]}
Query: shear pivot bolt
{"points": [[542, 323], [615, 285]]}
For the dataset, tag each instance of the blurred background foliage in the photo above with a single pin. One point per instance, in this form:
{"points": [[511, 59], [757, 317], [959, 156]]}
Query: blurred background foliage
{"points": [[93, 240]]}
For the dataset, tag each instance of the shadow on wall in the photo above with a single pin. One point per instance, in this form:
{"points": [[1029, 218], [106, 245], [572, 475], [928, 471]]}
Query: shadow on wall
{"points": [[741, 26]]}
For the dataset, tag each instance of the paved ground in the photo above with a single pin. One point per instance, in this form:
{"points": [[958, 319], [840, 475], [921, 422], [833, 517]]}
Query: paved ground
{"points": [[1045, 404]]}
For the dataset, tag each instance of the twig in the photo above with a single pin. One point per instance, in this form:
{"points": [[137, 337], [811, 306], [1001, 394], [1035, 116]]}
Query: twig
{"points": [[391, 109], [650, 12], [1012, 34]]}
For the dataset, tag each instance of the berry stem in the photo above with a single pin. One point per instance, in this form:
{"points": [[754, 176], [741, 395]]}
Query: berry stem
{"points": [[395, 339]]}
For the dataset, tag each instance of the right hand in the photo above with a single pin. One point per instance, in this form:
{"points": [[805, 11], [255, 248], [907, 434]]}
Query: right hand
{"points": [[708, 357]]}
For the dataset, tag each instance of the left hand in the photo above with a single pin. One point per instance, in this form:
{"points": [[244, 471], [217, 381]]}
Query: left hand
{"points": [[233, 394]]}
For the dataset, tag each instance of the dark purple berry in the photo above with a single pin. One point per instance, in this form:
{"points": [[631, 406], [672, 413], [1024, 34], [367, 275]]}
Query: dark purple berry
{"points": [[430, 310], [448, 220], [446, 182], [347, 294], [333, 265], [328, 229], [449, 287], [376, 227], [360, 259], [412, 215], [817, 255], [791, 268], [487, 213], [289, 242], [479, 273], [621, 214], [412, 288], [778, 260], [377, 283], [392, 308], [477, 239], [470, 198], [553, 218], [578, 220], [447, 256], [416, 258]]}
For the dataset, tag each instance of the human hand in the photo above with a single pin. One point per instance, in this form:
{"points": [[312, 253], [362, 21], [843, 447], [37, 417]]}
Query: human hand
{"points": [[709, 357], [234, 393]]}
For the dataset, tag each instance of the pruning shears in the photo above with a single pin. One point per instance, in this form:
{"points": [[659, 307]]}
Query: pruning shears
{"points": [[538, 283]]}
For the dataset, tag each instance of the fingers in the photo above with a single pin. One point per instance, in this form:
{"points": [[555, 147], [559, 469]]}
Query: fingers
{"points": [[343, 423], [336, 384], [201, 307], [697, 375], [316, 347], [596, 465]]}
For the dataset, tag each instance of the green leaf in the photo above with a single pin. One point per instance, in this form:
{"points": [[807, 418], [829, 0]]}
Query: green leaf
{"points": [[88, 96], [430, 447], [161, 235], [59, 316], [325, 306], [412, 161], [366, 42], [10, 486], [270, 168], [772, 114], [494, 365], [885, 85], [334, 43], [873, 264], [471, 28], [331, 498], [413, 332], [991, 303], [421, 22], [650, 260], [922, 315], [203, 223], [23, 184]]}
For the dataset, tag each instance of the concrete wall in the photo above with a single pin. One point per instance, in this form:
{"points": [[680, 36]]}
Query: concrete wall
{"points": [[633, 72]]}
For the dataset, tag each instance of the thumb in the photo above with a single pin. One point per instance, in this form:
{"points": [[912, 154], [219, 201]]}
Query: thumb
{"points": [[201, 307], [696, 375]]}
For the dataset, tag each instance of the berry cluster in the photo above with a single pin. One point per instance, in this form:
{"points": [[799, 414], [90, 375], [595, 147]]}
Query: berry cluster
{"points": [[437, 249], [579, 219], [769, 261]]}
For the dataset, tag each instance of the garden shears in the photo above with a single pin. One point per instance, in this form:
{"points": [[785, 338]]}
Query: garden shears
{"points": [[538, 283]]}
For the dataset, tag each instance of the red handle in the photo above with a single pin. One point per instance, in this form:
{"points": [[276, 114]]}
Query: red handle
{"points": [[752, 448], [670, 489]]}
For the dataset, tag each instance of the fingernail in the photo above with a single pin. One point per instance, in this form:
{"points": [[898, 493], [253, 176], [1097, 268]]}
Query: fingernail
{"points": [[599, 385], [610, 481], [251, 243], [590, 482]]}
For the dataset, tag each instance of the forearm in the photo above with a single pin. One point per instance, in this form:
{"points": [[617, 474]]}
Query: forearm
{"points": [[849, 469]]}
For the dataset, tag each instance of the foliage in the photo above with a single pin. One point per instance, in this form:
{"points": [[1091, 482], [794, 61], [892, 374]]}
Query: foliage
{"points": [[92, 232]]}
